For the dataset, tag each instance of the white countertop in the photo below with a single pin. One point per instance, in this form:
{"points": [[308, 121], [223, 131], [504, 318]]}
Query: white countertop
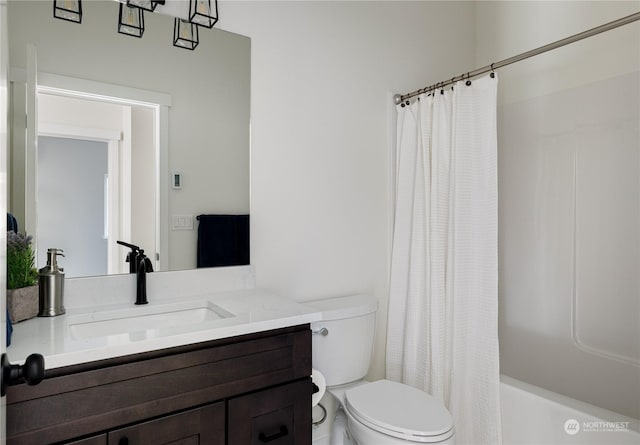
{"points": [[62, 343]]}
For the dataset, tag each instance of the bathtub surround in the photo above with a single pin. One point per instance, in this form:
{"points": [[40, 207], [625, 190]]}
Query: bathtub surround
{"points": [[443, 303], [569, 194], [572, 163]]}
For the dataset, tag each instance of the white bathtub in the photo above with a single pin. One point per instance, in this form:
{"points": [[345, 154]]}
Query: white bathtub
{"points": [[536, 416]]}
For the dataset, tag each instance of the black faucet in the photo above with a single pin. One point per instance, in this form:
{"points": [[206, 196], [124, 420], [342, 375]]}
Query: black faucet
{"points": [[144, 266], [139, 264]]}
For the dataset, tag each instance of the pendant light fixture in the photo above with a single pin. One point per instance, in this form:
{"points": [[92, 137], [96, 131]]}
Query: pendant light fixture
{"points": [[131, 18], [69, 10], [185, 34], [131, 21], [147, 5], [201, 12]]}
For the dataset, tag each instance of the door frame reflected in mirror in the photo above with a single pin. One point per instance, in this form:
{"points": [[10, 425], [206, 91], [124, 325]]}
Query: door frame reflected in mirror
{"points": [[70, 87]]}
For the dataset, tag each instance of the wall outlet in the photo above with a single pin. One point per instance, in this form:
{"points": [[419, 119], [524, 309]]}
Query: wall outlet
{"points": [[182, 222]]}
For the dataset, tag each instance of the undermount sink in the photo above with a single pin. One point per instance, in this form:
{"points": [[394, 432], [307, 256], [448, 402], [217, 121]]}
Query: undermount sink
{"points": [[144, 318]]}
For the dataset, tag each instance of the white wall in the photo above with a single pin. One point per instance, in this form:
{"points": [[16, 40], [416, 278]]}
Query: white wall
{"points": [[322, 75], [569, 195], [4, 142]]}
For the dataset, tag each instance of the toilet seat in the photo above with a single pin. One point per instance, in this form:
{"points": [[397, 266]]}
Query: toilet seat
{"points": [[400, 411]]}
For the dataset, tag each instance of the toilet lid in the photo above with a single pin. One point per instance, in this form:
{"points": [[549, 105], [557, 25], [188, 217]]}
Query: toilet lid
{"points": [[399, 410]]}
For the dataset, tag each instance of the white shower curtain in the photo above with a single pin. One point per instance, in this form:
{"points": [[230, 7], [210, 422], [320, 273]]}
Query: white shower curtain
{"points": [[443, 305]]}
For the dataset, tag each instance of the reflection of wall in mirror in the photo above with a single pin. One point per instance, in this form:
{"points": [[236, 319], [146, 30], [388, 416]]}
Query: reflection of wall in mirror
{"points": [[209, 116]]}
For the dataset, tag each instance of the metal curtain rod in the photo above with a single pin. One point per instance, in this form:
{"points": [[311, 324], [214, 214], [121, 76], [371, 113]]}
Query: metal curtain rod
{"points": [[398, 99]]}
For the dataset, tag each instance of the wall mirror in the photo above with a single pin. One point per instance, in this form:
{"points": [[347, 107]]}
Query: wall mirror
{"points": [[196, 103]]}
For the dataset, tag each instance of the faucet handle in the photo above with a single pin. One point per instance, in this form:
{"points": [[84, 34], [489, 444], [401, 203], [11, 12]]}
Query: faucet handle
{"points": [[133, 247], [132, 256]]}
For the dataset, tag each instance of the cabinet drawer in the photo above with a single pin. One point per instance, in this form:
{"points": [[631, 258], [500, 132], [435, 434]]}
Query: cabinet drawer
{"points": [[201, 426], [276, 416]]}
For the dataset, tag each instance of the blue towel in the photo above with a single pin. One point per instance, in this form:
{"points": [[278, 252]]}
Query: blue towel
{"points": [[9, 329], [223, 240], [12, 223]]}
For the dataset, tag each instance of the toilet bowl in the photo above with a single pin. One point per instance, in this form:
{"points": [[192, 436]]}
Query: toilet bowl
{"points": [[382, 412]]}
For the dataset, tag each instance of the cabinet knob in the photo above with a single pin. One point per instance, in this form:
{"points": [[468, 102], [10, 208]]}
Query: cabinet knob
{"points": [[32, 372], [262, 437], [123, 441]]}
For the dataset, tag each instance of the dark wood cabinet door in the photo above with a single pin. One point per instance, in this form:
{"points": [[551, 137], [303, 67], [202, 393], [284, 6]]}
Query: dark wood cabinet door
{"points": [[200, 426], [276, 416]]}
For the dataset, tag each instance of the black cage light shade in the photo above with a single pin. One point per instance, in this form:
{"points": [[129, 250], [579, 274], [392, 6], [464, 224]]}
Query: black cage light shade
{"points": [[185, 34], [147, 5], [203, 12], [69, 10], [131, 21]]}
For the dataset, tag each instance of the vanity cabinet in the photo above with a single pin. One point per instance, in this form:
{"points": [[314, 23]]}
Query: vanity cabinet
{"points": [[250, 389]]}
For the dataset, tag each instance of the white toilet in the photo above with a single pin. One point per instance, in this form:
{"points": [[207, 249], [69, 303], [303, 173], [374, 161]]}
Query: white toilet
{"points": [[377, 413]]}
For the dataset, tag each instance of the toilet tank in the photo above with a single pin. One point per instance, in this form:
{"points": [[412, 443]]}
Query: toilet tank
{"points": [[344, 353]]}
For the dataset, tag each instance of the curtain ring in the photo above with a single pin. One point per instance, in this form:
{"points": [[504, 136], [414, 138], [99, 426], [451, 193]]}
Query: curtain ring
{"points": [[468, 82], [493, 74]]}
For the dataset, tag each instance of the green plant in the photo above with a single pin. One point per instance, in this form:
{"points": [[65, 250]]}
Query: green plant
{"points": [[20, 260]]}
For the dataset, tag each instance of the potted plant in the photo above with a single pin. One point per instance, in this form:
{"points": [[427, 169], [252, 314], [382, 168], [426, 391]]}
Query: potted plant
{"points": [[22, 278]]}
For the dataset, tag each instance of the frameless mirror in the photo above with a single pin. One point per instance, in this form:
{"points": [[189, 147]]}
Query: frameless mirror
{"points": [[187, 120]]}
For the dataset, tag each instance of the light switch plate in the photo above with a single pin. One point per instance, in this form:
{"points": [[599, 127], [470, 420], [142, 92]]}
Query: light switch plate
{"points": [[182, 222]]}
